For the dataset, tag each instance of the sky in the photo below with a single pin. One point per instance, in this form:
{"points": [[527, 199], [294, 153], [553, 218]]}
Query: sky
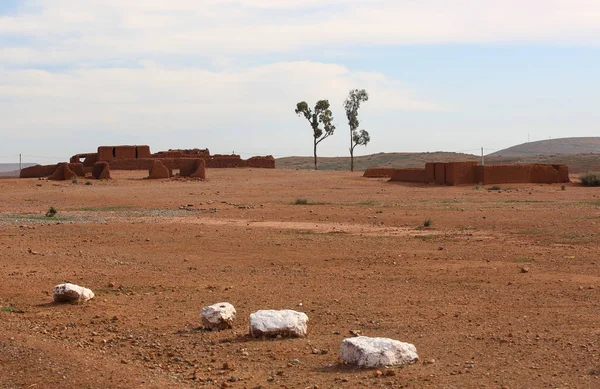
{"points": [[442, 75]]}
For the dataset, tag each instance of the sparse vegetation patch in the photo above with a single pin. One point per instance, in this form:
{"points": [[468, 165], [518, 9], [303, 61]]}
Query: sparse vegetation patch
{"points": [[590, 179]]}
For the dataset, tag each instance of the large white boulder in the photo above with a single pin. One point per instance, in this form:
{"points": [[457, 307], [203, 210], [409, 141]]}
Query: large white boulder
{"points": [[286, 323], [71, 293], [368, 352], [218, 316]]}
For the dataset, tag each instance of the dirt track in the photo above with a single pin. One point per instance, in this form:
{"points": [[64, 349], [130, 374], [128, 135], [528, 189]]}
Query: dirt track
{"points": [[355, 257]]}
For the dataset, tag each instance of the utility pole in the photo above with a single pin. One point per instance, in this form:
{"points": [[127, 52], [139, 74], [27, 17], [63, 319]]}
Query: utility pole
{"points": [[482, 161]]}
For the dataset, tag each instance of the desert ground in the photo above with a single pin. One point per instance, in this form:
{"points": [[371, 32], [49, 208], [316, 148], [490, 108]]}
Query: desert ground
{"points": [[500, 291]]}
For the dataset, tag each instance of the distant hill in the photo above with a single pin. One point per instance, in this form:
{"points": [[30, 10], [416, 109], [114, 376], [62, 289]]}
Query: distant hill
{"points": [[12, 169], [578, 163], [552, 147], [393, 160]]}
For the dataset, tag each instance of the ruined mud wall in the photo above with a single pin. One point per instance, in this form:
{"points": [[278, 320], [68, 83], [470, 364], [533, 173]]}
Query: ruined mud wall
{"points": [[379, 172], [429, 172], [143, 152], [111, 153], [41, 171], [530, 173], [88, 159], [469, 173], [189, 153], [461, 173], [267, 162], [38, 171], [439, 173], [408, 175], [146, 164], [563, 173]]}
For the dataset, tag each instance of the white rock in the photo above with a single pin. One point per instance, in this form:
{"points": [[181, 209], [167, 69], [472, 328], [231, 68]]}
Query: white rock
{"points": [[71, 293], [377, 352], [218, 317], [286, 323]]}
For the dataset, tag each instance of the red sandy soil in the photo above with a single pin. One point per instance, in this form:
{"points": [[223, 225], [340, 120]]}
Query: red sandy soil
{"points": [[355, 258]]}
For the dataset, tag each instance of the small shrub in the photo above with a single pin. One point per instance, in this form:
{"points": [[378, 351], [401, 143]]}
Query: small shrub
{"points": [[301, 202], [427, 223], [563, 187], [74, 181], [495, 187], [88, 183], [590, 179], [51, 212], [6, 309]]}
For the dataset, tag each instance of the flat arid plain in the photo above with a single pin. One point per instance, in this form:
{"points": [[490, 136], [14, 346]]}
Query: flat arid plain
{"points": [[500, 291]]}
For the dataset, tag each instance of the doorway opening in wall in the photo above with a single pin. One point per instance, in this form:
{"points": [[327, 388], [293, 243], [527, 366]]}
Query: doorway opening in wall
{"points": [[114, 152]]}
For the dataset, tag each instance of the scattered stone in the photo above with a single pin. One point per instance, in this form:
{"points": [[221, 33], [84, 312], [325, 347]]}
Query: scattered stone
{"points": [[70, 293], [285, 323], [218, 316], [369, 352], [524, 269]]}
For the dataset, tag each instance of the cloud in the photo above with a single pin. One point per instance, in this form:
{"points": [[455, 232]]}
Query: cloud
{"points": [[155, 98], [72, 31]]}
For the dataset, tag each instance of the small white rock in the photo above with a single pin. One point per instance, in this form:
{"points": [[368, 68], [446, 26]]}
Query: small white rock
{"points": [[369, 352], [71, 293], [218, 316], [286, 323]]}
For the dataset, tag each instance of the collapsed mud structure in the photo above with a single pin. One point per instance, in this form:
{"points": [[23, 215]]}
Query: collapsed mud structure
{"points": [[465, 173], [190, 163]]}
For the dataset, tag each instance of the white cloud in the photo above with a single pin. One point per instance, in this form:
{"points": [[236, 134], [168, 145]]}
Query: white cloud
{"points": [[154, 98], [154, 65], [78, 31]]}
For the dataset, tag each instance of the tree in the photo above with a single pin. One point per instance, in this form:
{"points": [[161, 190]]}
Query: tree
{"points": [[321, 115], [352, 104]]}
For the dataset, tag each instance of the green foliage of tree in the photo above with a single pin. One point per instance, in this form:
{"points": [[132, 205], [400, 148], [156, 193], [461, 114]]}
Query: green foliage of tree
{"points": [[321, 115], [352, 105]]}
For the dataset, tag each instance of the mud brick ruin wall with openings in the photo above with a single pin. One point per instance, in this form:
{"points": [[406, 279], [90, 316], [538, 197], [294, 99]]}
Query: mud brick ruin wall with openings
{"points": [[470, 173], [139, 157]]}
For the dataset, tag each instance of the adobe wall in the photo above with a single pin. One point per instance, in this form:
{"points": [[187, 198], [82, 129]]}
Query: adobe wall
{"points": [[77, 168], [38, 171], [188, 153], [105, 153], [111, 153], [526, 173], [267, 162], [461, 173], [563, 173], [469, 173], [379, 172], [429, 172], [143, 152], [125, 152], [439, 171], [408, 175], [146, 163], [88, 159]]}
